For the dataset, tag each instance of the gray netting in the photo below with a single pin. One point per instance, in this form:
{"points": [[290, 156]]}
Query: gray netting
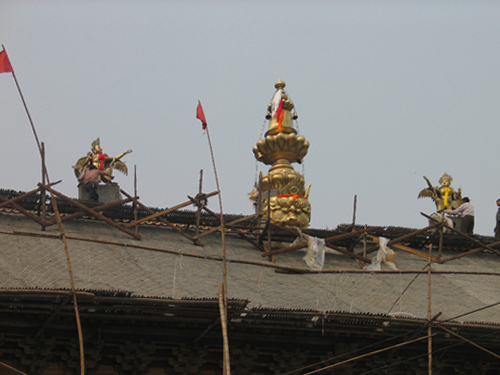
{"points": [[31, 262]]}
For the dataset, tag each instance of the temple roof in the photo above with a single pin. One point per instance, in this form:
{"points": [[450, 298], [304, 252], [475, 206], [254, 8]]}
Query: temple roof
{"points": [[149, 297], [165, 264]]}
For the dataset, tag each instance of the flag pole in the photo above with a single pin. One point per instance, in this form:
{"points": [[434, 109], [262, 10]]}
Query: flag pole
{"points": [[59, 222], [26, 108], [226, 363], [226, 366]]}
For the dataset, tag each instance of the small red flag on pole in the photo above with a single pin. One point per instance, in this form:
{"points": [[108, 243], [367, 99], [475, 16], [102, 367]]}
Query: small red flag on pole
{"points": [[201, 116], [5, 66]]}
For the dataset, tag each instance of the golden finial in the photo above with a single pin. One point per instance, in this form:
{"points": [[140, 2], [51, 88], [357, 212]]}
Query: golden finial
{"points": [[287, 198], [280, 85]]}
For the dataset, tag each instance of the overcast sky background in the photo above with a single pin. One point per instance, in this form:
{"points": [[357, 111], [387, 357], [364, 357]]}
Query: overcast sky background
{"points": [[386, 92]]}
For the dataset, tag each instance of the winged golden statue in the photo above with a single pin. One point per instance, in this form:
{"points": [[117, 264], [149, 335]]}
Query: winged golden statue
{"points": [[444, 196], [101, 161]]}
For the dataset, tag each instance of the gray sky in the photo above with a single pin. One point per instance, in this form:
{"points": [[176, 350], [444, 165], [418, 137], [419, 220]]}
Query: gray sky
{"points": [[386, 92]]}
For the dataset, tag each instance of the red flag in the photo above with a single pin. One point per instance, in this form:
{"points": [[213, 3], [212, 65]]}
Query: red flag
{"points": [[279, 116], [201, 116], [5, 66]]}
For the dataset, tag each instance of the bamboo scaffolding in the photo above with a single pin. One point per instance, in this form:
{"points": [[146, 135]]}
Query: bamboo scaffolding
{"points": [[212, 325], [468, 341], [7, 202], [264, 230], [200, 207], [53, 315], [23, 211], [407, 249], [470, 252], [291, 231], [473, 311], [378, 343], [415, 252], [93, 212], [348, 253], [168, 210], [220, 227], [163, 220], [240, 261], [101, 207], [404, 238], [465, 235], [252, 241], [366, 355], [12, 369], [328, 239]]}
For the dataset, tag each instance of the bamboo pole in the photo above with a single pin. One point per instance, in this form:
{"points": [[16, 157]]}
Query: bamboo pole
{"points": [[43, 194], [470, 252], [412, 234], [440, 250], [473, 311], [135, 198], [354, 211], [364, 243], [226, 369], [53, 315], [10, 368], [26, 109], [366, 355], [198, 211], [61, 229], [252, 241], [469, 341], [405, 289], [72, 283], [429, 306], [226, 360]]}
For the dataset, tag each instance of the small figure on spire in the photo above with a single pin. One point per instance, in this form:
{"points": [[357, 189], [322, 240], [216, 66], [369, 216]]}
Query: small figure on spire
{"points": [[445, 197], [101, 161]]}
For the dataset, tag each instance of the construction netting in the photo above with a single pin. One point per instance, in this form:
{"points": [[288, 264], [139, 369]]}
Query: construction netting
{"points": [[165, 264]]}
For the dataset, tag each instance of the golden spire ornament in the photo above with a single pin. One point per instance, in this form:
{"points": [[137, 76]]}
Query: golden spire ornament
{"points": [[288, 201]]}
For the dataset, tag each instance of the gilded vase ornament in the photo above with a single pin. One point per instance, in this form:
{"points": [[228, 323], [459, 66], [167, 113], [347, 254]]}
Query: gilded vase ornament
{"points": [[282, 191], [101, 161], [444, 196]]}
